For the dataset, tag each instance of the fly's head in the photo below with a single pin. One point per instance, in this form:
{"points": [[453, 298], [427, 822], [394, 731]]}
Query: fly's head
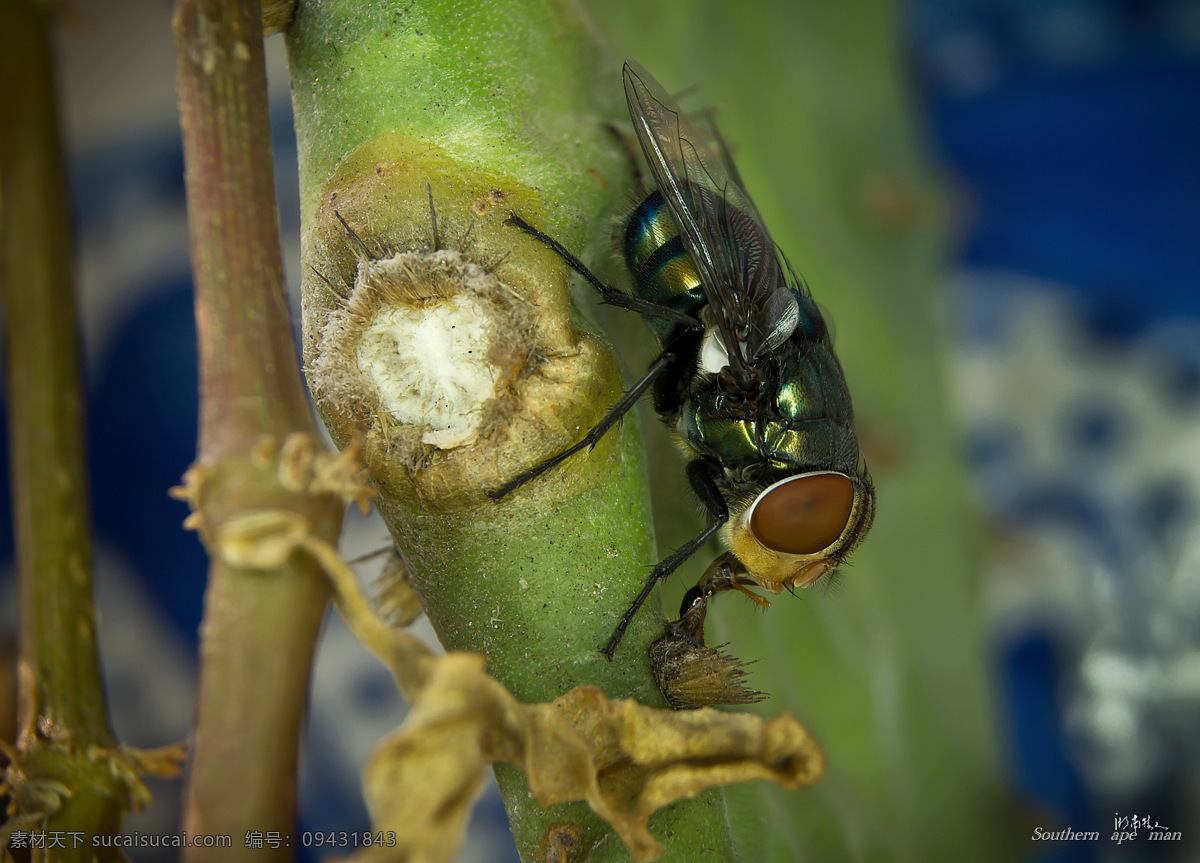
{"points": [[800, 528]]}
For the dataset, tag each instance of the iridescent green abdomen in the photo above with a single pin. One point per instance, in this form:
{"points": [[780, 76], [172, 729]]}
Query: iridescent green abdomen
{"points": [[659, 265]]}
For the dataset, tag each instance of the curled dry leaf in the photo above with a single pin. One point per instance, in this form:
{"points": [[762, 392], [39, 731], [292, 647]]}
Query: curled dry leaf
{"points": [[625, 759]]}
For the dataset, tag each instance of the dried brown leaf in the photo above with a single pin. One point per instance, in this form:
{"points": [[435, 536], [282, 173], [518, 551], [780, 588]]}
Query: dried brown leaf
{"points": [[625, 759]]}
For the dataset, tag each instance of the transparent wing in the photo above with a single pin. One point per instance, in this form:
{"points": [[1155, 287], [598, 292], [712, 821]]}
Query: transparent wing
{"points": [[718, 223]]}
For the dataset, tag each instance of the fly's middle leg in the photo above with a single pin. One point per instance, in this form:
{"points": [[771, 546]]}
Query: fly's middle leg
{"points": [[658, 367], [664, 363]]}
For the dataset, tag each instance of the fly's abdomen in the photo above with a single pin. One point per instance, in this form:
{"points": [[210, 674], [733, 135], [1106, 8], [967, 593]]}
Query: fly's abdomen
{"points": [[659, 265]]}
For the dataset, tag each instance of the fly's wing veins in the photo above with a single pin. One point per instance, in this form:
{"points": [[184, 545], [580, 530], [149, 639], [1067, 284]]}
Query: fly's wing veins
{"points": [[718, 223]]}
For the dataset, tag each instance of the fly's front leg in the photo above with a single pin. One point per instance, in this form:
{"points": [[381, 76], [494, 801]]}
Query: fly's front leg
{"points": [[724, 573], [700, 474], [660, 365]]}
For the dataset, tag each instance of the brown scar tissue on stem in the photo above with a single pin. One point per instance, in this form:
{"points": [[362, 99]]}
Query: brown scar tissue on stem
{"points": [[438, 335], [561, 842]]}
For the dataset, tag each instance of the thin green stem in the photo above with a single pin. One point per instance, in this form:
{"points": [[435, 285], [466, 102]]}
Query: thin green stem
{"points": [[50, 494], [61, 698], [260, 626]]}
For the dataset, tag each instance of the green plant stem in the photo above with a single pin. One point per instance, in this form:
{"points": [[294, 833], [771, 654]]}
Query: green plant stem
{"points": [[61, 698], [260, 627], [45, 400], [537, 582]]}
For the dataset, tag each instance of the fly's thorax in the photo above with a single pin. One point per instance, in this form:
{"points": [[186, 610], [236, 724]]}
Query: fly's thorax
{"points": [[811, 326], [799, 497], [808, 384], [796, 409], [796, 530], [750, 436]]}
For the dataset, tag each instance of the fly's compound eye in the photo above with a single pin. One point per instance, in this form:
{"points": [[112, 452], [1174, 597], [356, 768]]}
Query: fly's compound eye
{"points": [[802, 514]]}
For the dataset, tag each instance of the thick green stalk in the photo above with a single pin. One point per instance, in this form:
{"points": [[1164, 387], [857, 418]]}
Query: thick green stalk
{"points": [[61, 698], [401, 107], [260, 625]]}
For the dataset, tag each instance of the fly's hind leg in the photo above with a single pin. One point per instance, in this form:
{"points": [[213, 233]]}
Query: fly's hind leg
{"points": [[608, 295]]}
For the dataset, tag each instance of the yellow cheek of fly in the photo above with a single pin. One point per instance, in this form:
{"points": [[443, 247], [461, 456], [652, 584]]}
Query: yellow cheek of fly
{"points": [[772, 570]]}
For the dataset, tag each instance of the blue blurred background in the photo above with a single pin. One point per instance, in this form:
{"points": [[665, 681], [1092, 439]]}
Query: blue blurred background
{"points": [[1070, 132]]}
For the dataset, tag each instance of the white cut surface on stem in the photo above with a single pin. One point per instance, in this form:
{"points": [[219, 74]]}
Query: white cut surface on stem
{"points": [[430, 367]]}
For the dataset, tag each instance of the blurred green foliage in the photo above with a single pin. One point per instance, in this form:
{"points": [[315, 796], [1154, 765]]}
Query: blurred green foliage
{"points": [[887, 668]]}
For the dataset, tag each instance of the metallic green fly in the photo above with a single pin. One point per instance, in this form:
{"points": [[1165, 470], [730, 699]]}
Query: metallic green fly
{"points": [[747, 377]]}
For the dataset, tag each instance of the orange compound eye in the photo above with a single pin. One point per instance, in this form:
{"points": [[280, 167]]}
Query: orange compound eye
{"points": [[803, 514]]}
